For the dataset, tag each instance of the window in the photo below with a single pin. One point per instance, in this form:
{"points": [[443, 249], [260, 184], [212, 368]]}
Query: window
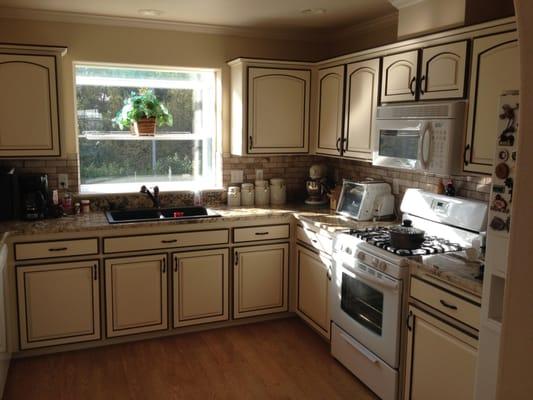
{"points": [[179, 156]]}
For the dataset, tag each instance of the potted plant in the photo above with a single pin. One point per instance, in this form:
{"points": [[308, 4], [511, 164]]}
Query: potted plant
{"points": [[142, 112]]}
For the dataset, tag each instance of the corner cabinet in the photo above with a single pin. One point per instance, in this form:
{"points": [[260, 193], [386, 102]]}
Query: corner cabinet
{"points": [[53, 314], [314, 275], [441, 360], [30, 76], [200, 287], [495, 69], [269, 107], [260, 280], [136, 294]]}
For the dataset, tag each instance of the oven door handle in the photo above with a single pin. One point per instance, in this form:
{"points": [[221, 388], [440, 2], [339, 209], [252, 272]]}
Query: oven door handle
{"points": [[366, 353], [364, 276]]}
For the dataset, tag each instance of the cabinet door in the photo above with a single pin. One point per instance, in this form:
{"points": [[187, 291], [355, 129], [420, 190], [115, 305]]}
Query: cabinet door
{"points": [[362, 91], [58, 303], [399, 77], [441, 360], [278, 110], [28, 106], [200, 283], [313, 288], [443, 71], [495, 69], [330, 110], [260, 280], [136, 294]]}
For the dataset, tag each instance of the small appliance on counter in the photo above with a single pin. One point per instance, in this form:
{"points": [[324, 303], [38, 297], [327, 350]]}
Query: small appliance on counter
{"points": [[316, 185], [34, 196], [366, 200]]}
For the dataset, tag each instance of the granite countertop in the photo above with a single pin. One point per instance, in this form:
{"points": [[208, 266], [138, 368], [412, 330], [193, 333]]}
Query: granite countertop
{"points": [[97, 220], [451, 268]]}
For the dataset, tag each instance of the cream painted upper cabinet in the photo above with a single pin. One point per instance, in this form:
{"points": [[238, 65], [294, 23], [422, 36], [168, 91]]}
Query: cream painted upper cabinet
{"points": [[260, 280], [443, 70], [362, 92], [29, 105], [269, 107], [399, 74], [136, 294], [441, 360], [330, 110], [58, 303], [200, 283], [313, 288], [495, 69]]}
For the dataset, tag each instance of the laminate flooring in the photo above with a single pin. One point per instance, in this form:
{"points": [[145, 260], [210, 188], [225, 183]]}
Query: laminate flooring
{"points": [[281, 359]]}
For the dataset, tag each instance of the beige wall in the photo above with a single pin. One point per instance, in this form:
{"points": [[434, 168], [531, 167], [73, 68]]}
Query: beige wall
{"points": [[515, 381], [97, 43]]}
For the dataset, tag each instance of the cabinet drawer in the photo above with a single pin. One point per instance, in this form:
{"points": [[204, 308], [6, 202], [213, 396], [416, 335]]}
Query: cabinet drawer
{"points": [[56, 248], [164, 241], [256, 233], [446, 302]]}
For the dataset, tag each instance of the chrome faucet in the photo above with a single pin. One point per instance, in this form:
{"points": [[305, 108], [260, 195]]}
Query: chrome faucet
{"points": [[154, 197]]}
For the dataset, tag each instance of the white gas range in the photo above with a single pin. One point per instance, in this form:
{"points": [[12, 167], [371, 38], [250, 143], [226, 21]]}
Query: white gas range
{"points": [[369, 294]]}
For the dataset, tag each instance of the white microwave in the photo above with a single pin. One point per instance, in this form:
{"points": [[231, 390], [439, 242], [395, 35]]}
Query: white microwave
{"points": [[423, 137]]}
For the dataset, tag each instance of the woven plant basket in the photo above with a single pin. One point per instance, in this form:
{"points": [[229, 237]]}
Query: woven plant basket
{"points": [[144, 127]]}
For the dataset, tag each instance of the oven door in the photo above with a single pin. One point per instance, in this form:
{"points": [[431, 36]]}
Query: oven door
{"points": [[400, 144], [366, 303]]}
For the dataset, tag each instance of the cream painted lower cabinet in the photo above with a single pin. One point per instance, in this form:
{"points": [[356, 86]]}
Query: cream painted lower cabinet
{"points": [[200, 287], [313, 288], [58, 303], [260, 280], [441, 360], [136, 294]]}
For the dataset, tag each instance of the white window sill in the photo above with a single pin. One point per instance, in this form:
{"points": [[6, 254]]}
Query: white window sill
{"points": [[134, 188]]}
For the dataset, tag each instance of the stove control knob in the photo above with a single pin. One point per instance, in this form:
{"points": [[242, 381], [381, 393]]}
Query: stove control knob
{"points": [[375, 262], [383, 265], [361, 256]]}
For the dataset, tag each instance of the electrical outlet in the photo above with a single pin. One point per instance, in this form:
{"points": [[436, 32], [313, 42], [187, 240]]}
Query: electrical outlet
{"points": [[62, 181], [258, 174], [395, 186], [236, 176]]}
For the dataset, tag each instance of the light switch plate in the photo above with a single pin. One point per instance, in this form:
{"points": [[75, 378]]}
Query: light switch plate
{"points": [[62, 181], [236, 176]]}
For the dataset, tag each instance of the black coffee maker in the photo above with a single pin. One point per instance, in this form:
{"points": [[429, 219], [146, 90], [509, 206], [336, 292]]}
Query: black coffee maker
{"points": [[34, 196]]}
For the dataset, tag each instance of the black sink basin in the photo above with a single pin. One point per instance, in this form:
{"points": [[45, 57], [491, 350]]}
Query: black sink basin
{"points": [[158, 214]]}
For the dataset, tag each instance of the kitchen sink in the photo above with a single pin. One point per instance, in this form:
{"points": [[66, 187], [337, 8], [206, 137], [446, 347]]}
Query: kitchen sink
{"points": [[158, 214]]}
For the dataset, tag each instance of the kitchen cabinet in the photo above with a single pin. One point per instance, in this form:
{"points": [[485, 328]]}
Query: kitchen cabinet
{"points": [[399, 72], [441, 360], [30, 76], [58, 303], [443, 71], [330, 110], [136, 294], [495, 69], [314, 275], [269, 107], [260, 280], [200, 287], [362, 93]]}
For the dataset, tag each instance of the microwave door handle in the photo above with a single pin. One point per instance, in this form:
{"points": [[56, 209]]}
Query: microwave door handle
{"points": [[425, 146], [365, 276]]}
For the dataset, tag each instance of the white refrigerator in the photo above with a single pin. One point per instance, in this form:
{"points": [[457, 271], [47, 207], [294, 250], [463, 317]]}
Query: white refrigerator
{"points": [[499, 222]]}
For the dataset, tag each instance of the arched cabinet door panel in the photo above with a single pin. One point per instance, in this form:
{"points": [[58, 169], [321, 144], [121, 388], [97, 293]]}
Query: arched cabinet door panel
{"points": [[29, 105], [443, 71], [330, 110], [399, 77]]}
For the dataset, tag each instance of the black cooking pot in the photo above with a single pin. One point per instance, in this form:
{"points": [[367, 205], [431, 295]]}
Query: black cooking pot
{"points": [[406, 237]]}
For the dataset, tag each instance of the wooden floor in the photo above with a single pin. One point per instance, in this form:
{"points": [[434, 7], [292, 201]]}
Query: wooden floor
{"points": [[282, 359]]}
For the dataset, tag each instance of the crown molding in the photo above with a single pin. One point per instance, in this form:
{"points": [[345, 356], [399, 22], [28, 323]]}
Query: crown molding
{"points": [[158, 24], [383, 22]]}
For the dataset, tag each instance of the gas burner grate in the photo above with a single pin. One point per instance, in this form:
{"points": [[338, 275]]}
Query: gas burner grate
{"points": [[380, 237]]}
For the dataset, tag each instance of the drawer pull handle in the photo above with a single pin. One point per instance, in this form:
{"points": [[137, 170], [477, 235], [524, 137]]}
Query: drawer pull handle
{"points": [[367, 354], [169, 241], [448, 305], [236, 258], [58, 249], [261, 233]]}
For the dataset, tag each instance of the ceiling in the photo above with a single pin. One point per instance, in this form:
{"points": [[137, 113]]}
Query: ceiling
{"points": [[265, 14]]}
